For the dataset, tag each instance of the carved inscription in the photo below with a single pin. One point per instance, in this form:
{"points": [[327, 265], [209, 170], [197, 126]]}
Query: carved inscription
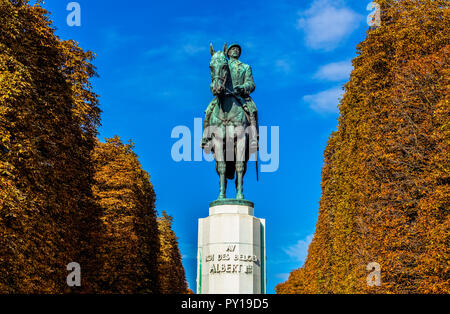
{"points": [[230, 262]]}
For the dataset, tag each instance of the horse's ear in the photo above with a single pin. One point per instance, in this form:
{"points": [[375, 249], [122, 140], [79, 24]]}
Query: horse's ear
{"points": [[211, 49], [225, 48]]}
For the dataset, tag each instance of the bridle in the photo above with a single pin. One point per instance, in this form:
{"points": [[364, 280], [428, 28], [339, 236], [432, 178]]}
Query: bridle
{"points": [[223, 79]]}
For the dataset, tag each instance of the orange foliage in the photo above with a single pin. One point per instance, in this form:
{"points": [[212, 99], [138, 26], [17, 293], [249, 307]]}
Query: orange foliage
{"points": [[385, 183], [48, 122], [65, 197], [171, 270], [130, 243]]}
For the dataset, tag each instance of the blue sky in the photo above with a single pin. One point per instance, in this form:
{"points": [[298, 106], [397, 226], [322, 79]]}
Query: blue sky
{"points": [[152, 60]]}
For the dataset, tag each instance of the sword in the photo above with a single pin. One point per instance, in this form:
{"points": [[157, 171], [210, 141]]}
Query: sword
{"points": [[257, 173]]}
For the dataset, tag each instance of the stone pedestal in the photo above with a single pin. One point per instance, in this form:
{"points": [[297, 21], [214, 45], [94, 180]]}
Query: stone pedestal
{"points": [[231, 256]]}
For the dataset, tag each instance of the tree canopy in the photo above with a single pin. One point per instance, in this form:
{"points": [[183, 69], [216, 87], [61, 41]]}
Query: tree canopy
{"points": [[385, 180], [130, 243], [48, 123], [64, 196], [171, 270]]}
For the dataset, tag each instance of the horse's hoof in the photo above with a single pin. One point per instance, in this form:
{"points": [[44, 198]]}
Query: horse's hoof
{"points": [[222, 197], [239, 196]]}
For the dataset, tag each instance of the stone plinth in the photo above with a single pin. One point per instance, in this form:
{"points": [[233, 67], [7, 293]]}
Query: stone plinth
{"points": [[231, 256]]}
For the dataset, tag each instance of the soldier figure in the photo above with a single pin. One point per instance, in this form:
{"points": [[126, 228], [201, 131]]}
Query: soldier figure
{"points": [[243, 85]]}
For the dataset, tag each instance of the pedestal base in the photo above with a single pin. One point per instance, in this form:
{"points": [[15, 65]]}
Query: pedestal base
{"points": [[231, 255]]}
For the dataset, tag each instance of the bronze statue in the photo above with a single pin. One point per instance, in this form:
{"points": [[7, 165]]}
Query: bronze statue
{"points": [[230, 128]]}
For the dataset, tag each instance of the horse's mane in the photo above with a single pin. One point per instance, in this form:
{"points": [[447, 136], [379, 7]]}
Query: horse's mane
{"points": [[219, 55]]}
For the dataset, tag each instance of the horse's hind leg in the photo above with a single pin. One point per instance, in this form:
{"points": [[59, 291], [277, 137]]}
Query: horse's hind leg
{"points": [[239, 180], [220, 166], [221, 170]]}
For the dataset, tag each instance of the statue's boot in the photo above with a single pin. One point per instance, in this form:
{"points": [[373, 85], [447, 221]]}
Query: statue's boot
{"points": [[221, 169], [239, 180], [253, 134]]}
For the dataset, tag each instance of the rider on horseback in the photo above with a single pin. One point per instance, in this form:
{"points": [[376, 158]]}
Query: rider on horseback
{"points": [[243, 85]]}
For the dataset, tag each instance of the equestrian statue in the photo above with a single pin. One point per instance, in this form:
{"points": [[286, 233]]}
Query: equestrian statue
{"points": [[230, 128]]}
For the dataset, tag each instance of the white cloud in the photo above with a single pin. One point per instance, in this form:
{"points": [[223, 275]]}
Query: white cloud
{"points": [[325, 101], [157, 52], [326, 25], [299, 251], [194, 49], [335, 72], [282, 276], [283, 65]]}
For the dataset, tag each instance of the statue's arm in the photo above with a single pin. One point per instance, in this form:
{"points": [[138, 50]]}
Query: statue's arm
{"points": [[249, 84]]}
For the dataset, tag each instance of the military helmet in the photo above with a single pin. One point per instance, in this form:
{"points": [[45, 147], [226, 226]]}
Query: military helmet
{"points": [[234, 45]]}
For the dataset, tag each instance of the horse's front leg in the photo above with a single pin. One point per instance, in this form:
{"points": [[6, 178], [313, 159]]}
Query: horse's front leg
{"points": [[219, 156], [240, 162]]}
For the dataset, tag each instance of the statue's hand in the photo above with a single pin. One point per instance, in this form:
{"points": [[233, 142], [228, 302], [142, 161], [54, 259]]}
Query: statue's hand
{"points": [[206, 145]]}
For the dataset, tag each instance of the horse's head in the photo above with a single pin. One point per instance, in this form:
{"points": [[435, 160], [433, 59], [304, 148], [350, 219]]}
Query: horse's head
{"points": [[219, 70]]}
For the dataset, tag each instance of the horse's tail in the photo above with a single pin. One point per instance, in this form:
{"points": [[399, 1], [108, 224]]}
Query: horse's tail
{"points": [[230, 170]]}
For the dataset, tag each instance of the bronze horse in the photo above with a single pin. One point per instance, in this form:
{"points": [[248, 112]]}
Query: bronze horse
{"points": [[227, 127]]}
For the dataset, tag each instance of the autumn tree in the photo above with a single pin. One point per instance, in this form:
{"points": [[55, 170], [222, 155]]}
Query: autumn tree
{"points": [[130, 244], [385, 182], [64, 196], [48, 123], [171, 270]]}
